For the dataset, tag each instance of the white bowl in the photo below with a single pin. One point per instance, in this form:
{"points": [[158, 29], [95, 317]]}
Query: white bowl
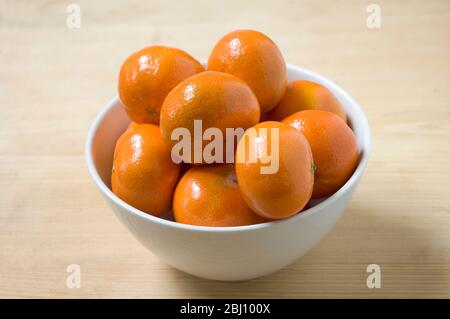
{"points": [[226, 253]]}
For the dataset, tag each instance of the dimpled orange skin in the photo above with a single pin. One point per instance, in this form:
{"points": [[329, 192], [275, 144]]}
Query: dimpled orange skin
{"points": [[143, 174], [288, 190], [333, 145], [210, 196], [148, 75], [303, 95], [219, 99], [254, 58]]}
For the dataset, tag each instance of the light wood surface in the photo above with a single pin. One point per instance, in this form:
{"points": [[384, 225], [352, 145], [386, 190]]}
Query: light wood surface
{"points": [[54, 80]]}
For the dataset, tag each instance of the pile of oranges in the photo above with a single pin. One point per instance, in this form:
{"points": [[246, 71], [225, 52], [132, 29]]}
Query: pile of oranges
{"points": [[163, 89]]}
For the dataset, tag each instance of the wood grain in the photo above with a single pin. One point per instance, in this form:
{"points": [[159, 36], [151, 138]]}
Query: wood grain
{"points": [[54, 80]]}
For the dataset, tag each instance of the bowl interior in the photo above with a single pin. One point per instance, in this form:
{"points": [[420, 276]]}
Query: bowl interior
{"points": [[113, 120]]}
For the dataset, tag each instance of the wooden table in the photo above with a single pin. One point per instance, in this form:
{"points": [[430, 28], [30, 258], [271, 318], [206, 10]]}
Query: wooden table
{"points": [[54, 80]]}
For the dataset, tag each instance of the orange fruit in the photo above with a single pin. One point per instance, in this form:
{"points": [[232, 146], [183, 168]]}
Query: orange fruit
{"points": [[210, 196], [143, 173], [255, 58], [148, 75], [333, 145], [286, 190], [219, 100], [303, 95]]}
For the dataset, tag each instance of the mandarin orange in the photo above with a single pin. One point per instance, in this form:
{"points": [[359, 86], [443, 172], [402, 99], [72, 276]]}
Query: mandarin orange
{"points": [[210, 196], [148, 75], [255, 58], [143, 173], [219, 100], [303, 95], [284, 189], [333, 145]]}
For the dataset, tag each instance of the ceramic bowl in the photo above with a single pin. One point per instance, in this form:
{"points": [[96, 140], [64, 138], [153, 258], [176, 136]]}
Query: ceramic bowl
{"points": [[226, 253]]}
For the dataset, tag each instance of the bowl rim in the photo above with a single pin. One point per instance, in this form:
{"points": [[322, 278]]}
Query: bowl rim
{"points": [[366, 146]]}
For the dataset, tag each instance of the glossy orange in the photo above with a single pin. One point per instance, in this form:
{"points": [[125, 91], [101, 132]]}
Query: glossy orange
{"points": [[256, 59], [219, 100], [285, 192], [333, 145], [148, 75], [210, 196], [303, 95], [143, 173]]}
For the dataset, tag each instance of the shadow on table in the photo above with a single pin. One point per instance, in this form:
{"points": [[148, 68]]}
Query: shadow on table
{"points": [[337, 266]]}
